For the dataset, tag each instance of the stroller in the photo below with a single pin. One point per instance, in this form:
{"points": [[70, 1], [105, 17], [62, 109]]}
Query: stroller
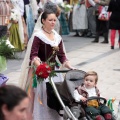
{"points": [[60, 97]]}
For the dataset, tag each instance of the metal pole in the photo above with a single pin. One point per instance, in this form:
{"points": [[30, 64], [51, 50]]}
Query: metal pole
{"points": [[67, 110]]}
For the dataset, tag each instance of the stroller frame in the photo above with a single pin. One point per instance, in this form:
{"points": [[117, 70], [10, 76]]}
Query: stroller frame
{"points": [[65, 108]]}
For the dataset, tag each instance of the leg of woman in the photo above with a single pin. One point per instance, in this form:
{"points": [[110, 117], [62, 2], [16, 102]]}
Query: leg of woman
{"points": [[112, 37], [119, 38]]}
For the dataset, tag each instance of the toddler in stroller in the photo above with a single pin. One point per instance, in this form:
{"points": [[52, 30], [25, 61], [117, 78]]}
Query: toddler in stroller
{"points": [[94, 107], [71, 97]]}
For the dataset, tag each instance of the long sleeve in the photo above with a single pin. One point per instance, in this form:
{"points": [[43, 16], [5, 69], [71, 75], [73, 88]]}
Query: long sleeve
{"points": [[61, 54], [104, 2], [77, 96], [92, 2], [35, 48]]}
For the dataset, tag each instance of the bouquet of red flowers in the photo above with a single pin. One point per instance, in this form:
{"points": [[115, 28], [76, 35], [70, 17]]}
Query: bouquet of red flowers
{"points": [[44, 70]]}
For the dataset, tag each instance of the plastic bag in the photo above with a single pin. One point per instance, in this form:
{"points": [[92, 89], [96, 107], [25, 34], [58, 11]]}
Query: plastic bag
{"points": [[103, 14]]}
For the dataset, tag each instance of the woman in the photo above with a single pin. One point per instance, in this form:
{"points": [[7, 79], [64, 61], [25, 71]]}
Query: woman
{"points": [[114, 22], [42, 47], [14, 103], [16, 36], [79, 18]]}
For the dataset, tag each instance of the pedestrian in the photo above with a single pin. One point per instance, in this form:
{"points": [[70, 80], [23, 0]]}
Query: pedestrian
{"points": [[114, 22], [79, 17], [89, 89], [14, 103], [16, 36], [90, 5], [45, 41], [101, 26], [4, 17]]}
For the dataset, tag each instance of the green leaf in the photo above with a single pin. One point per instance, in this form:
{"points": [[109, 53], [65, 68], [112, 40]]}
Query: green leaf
{"points": [[5, 50]]}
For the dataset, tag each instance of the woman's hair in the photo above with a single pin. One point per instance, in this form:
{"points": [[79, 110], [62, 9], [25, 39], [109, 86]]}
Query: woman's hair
{"points": [[92, 73], [45, 14], [50, 6], [11, 96]]}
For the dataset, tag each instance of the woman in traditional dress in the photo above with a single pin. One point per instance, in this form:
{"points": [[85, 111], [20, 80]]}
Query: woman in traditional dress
{"points": [[16, 36], [42, 47], [79, 17]]}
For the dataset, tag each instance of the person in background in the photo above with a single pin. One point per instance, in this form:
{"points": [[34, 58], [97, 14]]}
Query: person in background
{"points": [[79, 17], [114, 22], [4, 17], [16, 29], [101, 26], [89, 89], [90, 5], [4, 21], [14, 103], [21, 7]]}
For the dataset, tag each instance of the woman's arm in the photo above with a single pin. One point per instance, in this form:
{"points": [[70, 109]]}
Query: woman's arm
{"points": [[34, 52], [62, 57], [102, 2]]}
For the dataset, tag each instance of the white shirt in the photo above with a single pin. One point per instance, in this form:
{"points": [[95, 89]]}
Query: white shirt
{"points": [[91, 92]]}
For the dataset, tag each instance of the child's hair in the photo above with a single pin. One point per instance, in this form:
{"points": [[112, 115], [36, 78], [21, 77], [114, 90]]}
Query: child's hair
{"points": [[92, 73]]}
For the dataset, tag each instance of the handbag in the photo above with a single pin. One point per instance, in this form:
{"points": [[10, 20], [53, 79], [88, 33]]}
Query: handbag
{"points": [[104, 15]]}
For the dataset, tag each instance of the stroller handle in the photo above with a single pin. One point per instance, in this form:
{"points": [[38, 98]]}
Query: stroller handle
{"points": [[61, 71], [97, 98]]}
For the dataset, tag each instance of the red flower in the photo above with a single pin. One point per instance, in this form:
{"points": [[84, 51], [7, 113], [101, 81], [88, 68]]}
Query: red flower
{"points": [[43, 70]]}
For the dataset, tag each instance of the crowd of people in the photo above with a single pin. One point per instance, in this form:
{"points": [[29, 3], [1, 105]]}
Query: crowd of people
{"points": [[20, 17], [37, 25]]}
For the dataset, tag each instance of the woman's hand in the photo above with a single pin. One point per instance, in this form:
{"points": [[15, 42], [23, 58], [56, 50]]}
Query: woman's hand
{"points": [[14, 21], [68, 65]]}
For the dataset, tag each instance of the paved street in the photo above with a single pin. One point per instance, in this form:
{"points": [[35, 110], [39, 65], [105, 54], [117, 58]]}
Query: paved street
{"points": [[86, 56]]}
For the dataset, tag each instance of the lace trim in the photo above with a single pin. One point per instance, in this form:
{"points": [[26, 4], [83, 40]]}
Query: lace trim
{"points": [[34, 59]]}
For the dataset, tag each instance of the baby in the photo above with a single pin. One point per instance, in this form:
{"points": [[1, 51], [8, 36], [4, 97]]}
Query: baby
{"points": [[89, 89]]}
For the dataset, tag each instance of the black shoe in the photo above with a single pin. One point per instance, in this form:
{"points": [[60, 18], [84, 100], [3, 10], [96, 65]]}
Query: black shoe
{"points": [[89, 34], [112, 47], [104, 41], [92, 36], [76, 35], [95, 41]]}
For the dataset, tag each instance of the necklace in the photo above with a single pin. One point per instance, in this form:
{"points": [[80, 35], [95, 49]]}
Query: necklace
{"points": [[47, 31]]}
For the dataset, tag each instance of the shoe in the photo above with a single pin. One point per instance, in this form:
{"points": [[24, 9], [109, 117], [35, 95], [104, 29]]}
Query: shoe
{"points": [[76, 35], [89, 34], [104, 41], [112, 47], [92, 36], [95, 41], [98, 117], [108, 116]]}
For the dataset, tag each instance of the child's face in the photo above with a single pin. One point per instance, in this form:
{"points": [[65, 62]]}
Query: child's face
{"points": [[89, 81]]}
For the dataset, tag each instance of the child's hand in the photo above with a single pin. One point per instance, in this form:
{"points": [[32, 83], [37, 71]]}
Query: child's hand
{"points": [[83, 99]]}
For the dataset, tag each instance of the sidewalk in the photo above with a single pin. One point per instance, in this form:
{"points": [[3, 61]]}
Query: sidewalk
{"points": [[94, 56]]}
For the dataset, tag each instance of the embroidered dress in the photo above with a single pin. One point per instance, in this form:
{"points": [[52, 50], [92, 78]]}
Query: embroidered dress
{"points": [[42, 48], [14, 36], [79, 17], [64, 24]]}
